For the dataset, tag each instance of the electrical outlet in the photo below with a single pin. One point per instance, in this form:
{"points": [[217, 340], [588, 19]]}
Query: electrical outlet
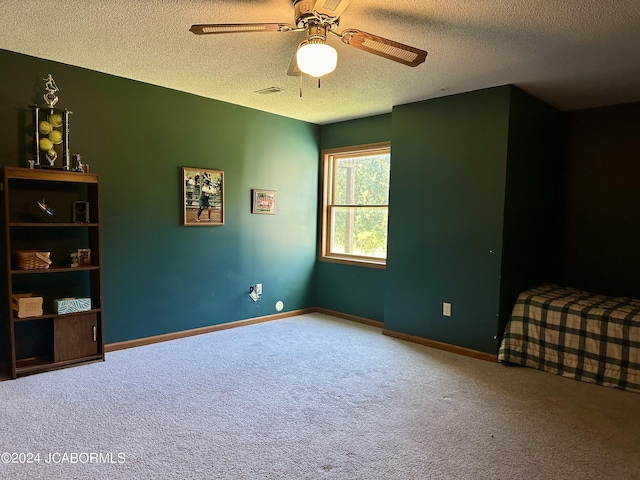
{"points": [[259, 288], [446, 309]]}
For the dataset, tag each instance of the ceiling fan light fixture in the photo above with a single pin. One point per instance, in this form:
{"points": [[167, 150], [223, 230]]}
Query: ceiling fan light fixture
{"points": [[316, 59]]}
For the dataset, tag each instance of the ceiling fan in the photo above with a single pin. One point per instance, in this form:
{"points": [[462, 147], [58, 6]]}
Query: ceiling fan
{"points": [[318, 18]]}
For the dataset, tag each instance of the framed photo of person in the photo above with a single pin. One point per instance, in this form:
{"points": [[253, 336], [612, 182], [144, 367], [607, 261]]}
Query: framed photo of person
{"points": [[202, 197]]}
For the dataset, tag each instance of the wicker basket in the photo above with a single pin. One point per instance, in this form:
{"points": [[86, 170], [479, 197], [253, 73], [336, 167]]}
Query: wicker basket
{"points": [[32, 259]]}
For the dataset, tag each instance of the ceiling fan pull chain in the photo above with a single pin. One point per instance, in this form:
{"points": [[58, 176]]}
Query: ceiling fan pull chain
{"points": [[318, 82], [300, 84]]}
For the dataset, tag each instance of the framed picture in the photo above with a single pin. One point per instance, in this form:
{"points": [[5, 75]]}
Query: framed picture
{"points": [[263, 201], [202, 197], [80, 212], [84, 256]]}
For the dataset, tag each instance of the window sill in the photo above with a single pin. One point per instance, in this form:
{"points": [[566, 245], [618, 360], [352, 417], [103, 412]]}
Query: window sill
{"points": [[367, 263]]}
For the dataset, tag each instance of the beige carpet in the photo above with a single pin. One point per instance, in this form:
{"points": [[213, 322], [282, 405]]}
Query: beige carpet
{"points": [[312, 397]]}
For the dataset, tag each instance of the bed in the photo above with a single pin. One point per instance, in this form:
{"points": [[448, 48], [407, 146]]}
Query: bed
{"points": [[576, 334]]}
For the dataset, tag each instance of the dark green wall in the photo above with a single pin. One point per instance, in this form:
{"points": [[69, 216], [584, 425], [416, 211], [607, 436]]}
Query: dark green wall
{"points": [[159, 276], [530, 227], [346, 288], [446, 212], [473, 215], [600, 228]]}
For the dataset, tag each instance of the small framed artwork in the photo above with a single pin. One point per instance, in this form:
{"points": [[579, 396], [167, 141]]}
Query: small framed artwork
{"points": [[202, 197], [80, 212], [263, 201], [84, 256]]}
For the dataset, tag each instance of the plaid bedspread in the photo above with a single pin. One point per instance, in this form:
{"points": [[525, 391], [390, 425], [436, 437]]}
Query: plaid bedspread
{"points": [[576, 334]]}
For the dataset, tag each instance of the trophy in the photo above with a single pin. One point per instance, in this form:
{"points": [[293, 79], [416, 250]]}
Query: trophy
{"points": [[50, 131]]}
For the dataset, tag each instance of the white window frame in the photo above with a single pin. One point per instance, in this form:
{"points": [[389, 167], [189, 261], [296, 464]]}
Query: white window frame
{"points": [[329, 158]]}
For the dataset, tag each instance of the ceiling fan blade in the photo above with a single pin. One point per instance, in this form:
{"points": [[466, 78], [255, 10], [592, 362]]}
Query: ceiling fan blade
{"points": [[398, 52], [213, 28], [331, 8]]}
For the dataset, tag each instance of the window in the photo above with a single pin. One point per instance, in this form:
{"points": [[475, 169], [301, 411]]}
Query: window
{"points": [[356, 204]]}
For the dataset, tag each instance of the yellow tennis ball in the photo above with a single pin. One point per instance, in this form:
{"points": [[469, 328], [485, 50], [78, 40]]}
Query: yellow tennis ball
{"points": [[55, 119], [45, 127], [45, 144], [56, 137]]}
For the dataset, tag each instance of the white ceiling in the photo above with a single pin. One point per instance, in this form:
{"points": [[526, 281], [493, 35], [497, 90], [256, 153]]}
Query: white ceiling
{"points": [[572, 54]]}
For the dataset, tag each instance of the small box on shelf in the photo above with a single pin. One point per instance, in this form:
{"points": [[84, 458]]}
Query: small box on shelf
{"points": [[71, 305], [26, 305]]}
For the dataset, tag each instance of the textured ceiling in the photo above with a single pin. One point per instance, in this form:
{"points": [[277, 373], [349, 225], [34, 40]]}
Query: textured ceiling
{"points": [[572, 54]]}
